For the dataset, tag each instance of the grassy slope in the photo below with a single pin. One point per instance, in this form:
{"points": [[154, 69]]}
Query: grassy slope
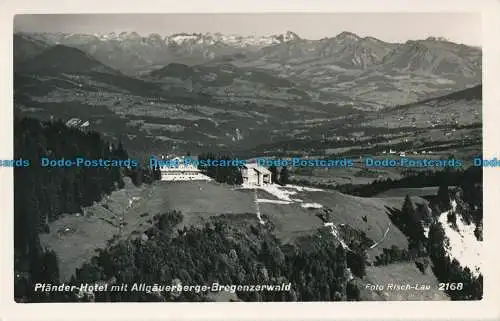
{"points": [[99, 225], [290, 220], [198, 201], [350, 210], [94, 229]]}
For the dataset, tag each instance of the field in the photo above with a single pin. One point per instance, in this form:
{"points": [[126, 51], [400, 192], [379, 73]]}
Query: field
{"points": [[199, 200], [402, 192], [349, 175]]}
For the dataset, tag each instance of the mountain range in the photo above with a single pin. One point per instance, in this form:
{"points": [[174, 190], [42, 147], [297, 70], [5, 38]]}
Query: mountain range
{"points": [[130, 52], [370, 72], [200, 89]]}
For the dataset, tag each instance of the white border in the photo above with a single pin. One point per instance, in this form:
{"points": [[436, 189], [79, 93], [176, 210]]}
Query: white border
{"points": [[487, 308]]}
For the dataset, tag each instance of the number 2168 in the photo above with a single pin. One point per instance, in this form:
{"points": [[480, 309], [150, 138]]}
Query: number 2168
{"points": [[451, 286]]}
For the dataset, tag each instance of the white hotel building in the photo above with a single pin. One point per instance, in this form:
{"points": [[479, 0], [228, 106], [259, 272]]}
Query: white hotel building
{"points": [[182, 172]]}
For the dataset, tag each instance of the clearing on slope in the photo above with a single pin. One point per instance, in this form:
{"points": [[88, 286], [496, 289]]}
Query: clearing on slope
{"points": [[350, 210], [129, 212], [293, 211], [199, 200]]}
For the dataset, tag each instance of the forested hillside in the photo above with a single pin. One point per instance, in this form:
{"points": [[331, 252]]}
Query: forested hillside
{"points": [[227, 250], [42, 194], [426, 235]]}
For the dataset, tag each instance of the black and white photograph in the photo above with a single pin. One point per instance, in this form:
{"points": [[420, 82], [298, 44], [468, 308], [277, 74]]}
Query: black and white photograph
{"points": [[250, 157]]}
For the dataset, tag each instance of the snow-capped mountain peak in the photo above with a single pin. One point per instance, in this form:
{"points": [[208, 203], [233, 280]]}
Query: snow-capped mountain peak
{"points": [[230, 39], [124, 35], [182, 38], [288, 36], [438, 39]]}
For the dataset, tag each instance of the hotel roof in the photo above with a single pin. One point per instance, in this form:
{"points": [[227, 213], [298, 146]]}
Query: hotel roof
{"points": [[258, 168]]}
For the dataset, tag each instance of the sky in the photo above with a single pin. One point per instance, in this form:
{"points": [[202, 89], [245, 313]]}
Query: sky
{"points": [[460, 27]]}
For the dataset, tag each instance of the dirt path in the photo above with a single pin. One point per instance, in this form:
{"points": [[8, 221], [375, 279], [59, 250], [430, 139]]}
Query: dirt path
{"points": [[257, 207]]}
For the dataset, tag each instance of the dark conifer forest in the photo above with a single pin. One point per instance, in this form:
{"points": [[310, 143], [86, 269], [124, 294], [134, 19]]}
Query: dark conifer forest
{"points": [[42, 194], [220, 252], [222, 174]]}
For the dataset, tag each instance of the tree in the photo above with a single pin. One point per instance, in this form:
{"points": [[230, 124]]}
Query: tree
{"points": [[443, 197], [411, 225], [239, 177], [284, 176], [274, 174], [49, 271], [352, 291], [156, 174], [408, 209], [120, 152], [404, 220], [356, 263], [137, 176]]}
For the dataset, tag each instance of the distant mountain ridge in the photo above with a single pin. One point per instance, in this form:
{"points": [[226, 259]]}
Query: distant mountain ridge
{"points": [[198, 106], [369, 72], [63, 59], [129, 50], [26, 47], [346, 50], [436, 57], [173, 39]]}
